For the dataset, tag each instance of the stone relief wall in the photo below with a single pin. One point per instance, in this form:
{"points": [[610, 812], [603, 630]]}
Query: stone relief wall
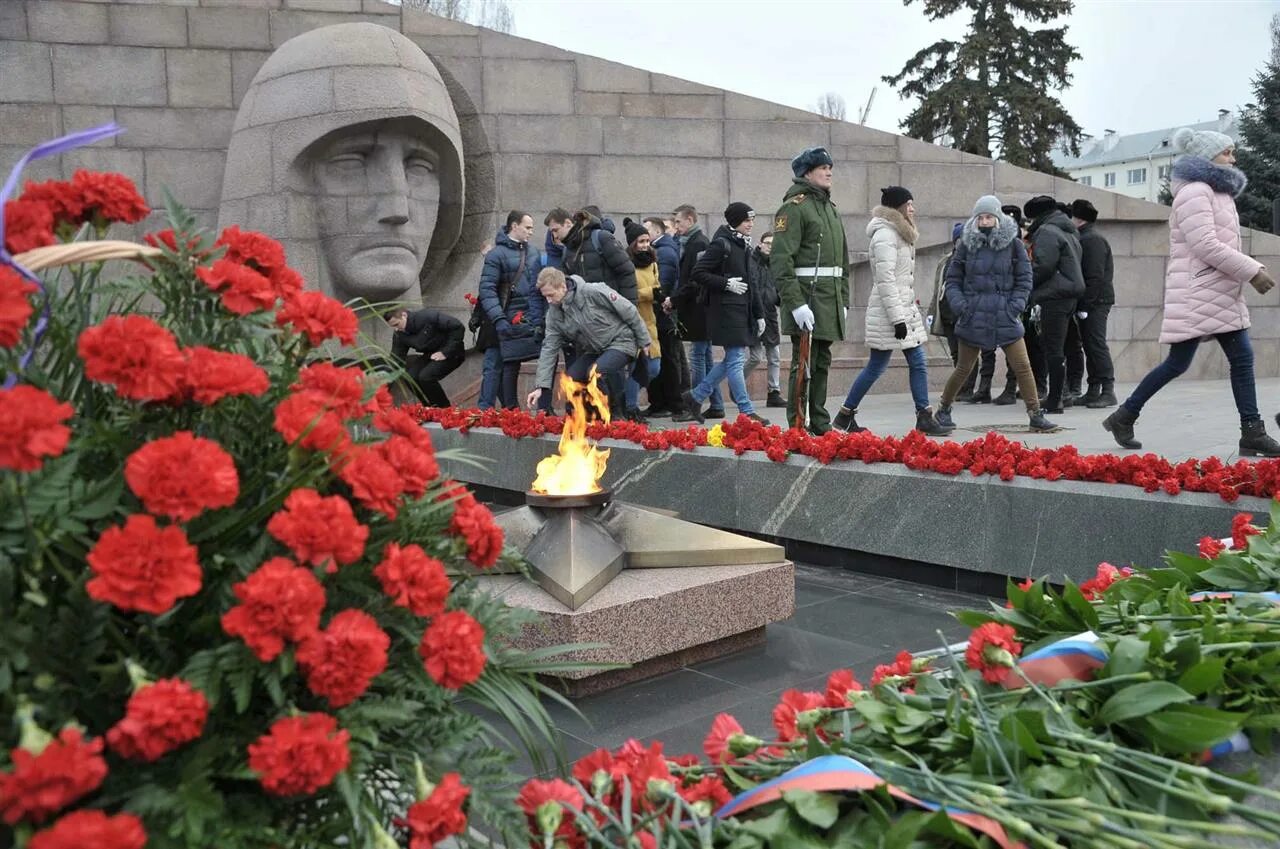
{"points": [[540, 127]]}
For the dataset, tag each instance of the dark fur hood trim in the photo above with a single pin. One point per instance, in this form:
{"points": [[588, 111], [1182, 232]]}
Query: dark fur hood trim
{"points": [[1220, 178]]}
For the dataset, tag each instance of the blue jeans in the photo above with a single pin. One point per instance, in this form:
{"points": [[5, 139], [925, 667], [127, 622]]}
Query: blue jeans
{"points": [[490, 377], [700, 364], [1239, 356], [633, 388], [729, 368], [879, 361]]}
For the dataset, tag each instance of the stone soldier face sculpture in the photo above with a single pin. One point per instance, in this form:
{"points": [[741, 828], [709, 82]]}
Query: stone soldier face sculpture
{"points": [[347, 149]]}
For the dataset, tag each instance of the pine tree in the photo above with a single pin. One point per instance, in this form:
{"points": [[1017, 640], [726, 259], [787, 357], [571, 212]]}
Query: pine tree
{"points": [[991, 93], [1258, 154]]}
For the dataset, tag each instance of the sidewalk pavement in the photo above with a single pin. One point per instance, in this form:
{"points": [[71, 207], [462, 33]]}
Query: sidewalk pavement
{"points": [[1188, 418]]}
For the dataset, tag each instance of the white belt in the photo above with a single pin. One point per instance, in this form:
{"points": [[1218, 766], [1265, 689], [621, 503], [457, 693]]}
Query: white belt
{"points": [[824, 271]]}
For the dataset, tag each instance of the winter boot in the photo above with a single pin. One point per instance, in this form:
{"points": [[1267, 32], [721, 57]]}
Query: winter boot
{"points": [[1106, 397], [928, 425], [1120, 425], [1254, 441], [1085, 400], [943, 418], [982, 395], [846, 421], [1007, 397], [1040, 423], [775, 399], [965, 395], [692, 409]]}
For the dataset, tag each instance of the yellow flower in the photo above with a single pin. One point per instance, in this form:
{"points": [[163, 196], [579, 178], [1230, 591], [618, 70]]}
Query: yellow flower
{"points": [[715, 436]]}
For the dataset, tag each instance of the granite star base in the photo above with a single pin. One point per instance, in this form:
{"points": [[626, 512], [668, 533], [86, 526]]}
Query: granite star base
{"points": [[654, 620]]}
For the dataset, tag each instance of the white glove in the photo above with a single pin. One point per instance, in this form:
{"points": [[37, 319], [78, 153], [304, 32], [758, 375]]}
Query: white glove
{"points": [[846, 315], [1082, 315], [803, 316], [1035, 313], [736, 285], [759, 326]]}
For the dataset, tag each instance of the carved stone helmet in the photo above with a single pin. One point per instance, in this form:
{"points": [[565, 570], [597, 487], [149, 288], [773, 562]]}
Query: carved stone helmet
{"points": [[316, 86]]}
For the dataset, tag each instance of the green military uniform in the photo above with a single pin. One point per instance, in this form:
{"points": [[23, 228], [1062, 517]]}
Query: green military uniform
{"points": [[810, 263]]}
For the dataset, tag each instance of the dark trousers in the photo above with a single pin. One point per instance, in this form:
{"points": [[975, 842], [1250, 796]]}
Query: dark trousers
{"points": [[819, 364], [664, 393], [1073, 350], [1239, 351], [614, 368], [428, 373], [509, 392], [1055, 318], [1093, 333], [1035, 353]]}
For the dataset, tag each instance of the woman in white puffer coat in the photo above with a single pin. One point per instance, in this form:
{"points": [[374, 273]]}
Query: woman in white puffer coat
{"points": [[894, 322]]}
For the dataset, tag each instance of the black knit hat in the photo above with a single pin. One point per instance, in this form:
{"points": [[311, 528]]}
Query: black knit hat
{"points": [[633, 230], [894, 196], [1037, 206], [1013, 211], [1084, 210], [737, 212]]}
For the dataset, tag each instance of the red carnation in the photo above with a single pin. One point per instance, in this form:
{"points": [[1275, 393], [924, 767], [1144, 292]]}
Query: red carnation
{"points": [[440, 814], [243, 290], [710, 791], [1210, 548], [903, 666], [839, 685], [398, 422], [92, 828], [108, 197], [1105, 576], [786, 714], [280, 601], [1241, 530], [474, 523], [159, 718], [415, 463], [31, 427], [183, 475], [413, 579], [212, 375], [319, 529], [319, 317], [15, 306], [251, 248], [300, 754], [518, 318], [341, 388], [64, 203], [43, 784], [726, 741], [550, 807], [992, 649], [168, 239], [453, 649], [303, 418], [286, 282], [374, 482], [134, 354], [342, 660], [471, 299], [143, 567], [28, 224]]}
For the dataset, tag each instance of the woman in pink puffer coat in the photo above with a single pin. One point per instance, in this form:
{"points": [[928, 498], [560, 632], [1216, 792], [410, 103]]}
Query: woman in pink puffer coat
{"points": [[1204, 286]]}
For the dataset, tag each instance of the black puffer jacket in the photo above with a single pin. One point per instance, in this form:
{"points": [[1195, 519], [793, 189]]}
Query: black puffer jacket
{"points": [[428, 331], [1097, 267], [691, 310], [1055, 259], [770, 300], [593, 254], [731, 319]]}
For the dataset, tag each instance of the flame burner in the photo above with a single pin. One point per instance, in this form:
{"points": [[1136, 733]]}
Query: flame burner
{"points": [[573, 553]]}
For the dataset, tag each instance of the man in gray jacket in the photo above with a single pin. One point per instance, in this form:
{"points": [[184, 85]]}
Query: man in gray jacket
{"points": [[603, 327]]}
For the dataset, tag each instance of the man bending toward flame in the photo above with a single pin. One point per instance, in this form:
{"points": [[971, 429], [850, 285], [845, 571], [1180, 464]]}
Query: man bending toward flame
{"points": [[602, 326]]}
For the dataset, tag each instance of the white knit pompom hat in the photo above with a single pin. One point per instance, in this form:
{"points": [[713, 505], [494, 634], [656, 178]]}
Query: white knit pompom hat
{"points": [[1206, 143]]}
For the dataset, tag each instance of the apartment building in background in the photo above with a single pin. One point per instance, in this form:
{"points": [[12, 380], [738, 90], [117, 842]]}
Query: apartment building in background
{"points": [[1137, 164]]}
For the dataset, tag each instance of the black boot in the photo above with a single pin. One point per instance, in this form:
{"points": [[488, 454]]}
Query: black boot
{"points": [[965, 395], [846, 421], [1040, 423], [982, 395], [775, 399], [1254, 441], [928, 425], [1120, 425], [943, 418], [1106, 397], [1007, 397], [1087, 399], [692, 411]]}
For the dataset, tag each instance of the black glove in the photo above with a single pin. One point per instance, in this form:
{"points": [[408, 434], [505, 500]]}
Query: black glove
{"points": [[900, 330]]}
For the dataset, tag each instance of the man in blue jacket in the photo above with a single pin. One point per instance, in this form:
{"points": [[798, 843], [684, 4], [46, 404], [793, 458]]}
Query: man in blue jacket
{"points": [[505, 285]]}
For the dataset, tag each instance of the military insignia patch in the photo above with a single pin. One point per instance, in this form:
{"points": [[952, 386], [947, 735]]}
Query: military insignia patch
{"points": [[780, 225], [798, 199]]}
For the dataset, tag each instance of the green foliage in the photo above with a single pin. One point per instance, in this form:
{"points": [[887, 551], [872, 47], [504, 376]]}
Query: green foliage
{"points": [[992, 93], [1258, 150]]}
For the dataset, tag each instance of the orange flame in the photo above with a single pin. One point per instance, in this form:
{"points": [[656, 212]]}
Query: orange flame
{"points": [[577, 469]]}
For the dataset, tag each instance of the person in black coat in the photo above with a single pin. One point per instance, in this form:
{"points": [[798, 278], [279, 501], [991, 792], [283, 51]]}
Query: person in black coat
{"points": [[439, 338], [664, 393], [735, 314], [592, 253], [690, 306], [767, 347], [506, 285], [1057, 284], [1099, 296]]}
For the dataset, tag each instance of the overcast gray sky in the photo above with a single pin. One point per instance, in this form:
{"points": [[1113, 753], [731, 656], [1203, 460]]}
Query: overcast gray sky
{"points": [[1145, 64]]}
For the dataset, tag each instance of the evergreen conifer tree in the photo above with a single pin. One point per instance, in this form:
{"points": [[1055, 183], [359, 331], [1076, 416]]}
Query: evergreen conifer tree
{"points": [[992, 93], [1258, 151]]}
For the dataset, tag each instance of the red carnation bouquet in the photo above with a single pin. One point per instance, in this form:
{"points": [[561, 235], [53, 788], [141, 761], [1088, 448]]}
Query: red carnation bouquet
{"points": [[236, 595]]}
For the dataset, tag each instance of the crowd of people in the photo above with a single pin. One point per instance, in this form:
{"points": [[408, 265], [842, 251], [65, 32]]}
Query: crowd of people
{"points": [[649, 307]]}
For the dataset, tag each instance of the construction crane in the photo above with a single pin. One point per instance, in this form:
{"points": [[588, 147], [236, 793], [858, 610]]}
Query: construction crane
{"points": [[866, 110]]}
